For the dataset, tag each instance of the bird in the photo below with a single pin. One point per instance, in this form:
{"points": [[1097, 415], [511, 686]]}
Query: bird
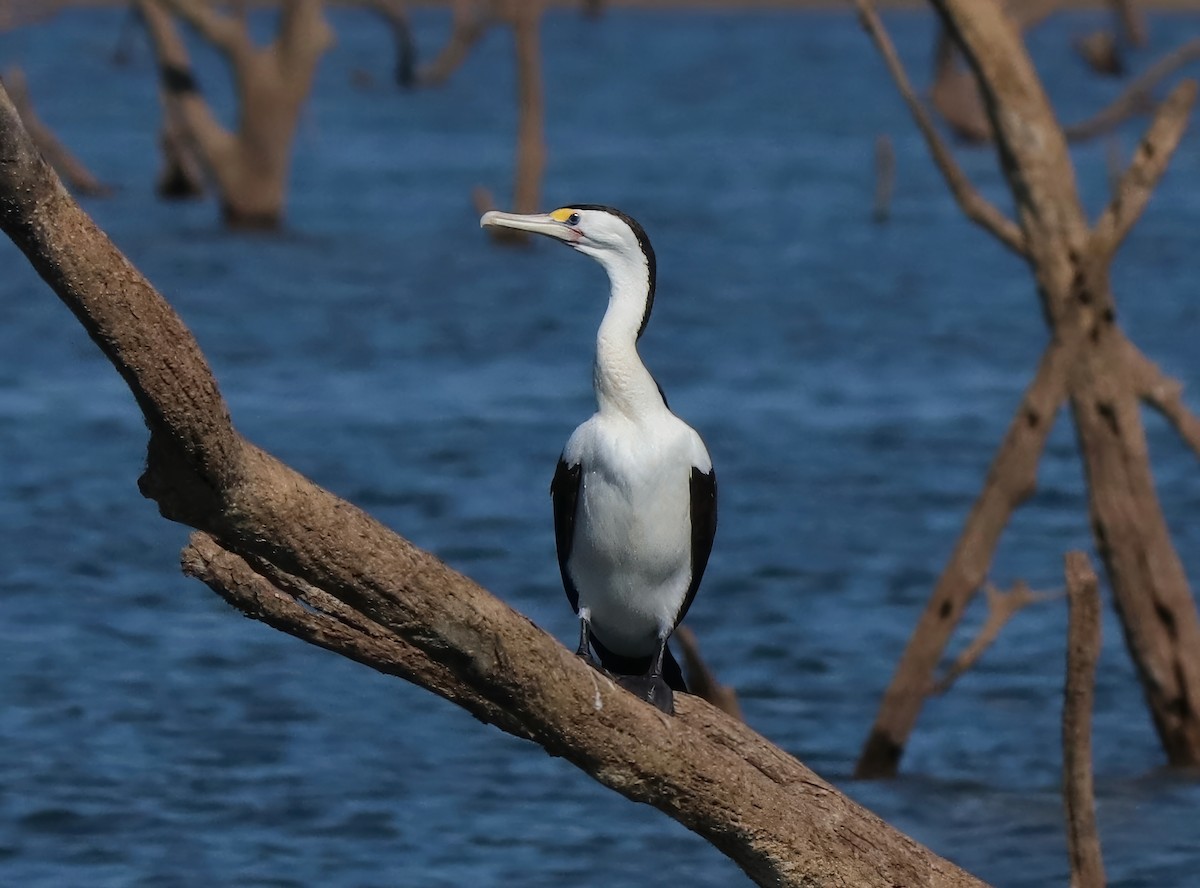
{"points": [[634, 492]]}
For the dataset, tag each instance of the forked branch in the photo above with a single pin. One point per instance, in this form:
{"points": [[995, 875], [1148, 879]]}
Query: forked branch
{"points": [[1002, 606], [976, 207], [1139, 180]]}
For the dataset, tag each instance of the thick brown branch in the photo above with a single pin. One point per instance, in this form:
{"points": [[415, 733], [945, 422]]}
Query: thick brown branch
{"points": [[780, 822], [1083, 650], [1140, 179], [137, 331], [287, 603], [972, 203]]}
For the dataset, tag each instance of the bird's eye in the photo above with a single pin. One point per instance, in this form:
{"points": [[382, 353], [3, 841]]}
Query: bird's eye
{"points": [[573, 219]]}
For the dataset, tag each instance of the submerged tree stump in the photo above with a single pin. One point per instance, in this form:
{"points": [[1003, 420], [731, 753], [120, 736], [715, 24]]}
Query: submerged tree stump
{"points": [[1089, 365], [247, 167]]}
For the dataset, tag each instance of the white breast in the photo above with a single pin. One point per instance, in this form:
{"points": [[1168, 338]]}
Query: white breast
{"points": [[631, 555]]}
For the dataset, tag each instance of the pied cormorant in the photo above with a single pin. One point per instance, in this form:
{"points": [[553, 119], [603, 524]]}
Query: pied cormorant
{"points": [[635, 495]]}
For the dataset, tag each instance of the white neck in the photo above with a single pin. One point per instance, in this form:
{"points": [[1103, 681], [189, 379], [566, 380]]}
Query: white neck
{"points": [[621, 380]]}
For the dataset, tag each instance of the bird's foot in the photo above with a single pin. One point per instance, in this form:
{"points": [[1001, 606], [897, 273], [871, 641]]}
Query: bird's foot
{"points": [[585, 654], [651, 688]]}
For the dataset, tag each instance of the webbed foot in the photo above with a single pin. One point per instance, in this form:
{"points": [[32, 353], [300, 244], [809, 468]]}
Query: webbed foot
{"points": [[651, 688]]}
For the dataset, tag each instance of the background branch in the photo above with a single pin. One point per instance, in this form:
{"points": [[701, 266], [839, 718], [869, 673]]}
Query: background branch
{"points": [[1083, 650], [1141, 177], [973, 204], [1002, 606]]}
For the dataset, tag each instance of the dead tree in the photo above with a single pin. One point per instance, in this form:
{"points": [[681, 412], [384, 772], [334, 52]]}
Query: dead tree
{"points": [[248, 167], [1089, 365], [954, 92], [290, 554]]}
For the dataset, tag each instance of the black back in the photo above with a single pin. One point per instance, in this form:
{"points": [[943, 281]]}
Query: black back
{"points": [[704, 530], [564, 493]]}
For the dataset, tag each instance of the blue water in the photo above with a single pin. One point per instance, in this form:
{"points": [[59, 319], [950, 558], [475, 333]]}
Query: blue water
{"points": [[852, 382]]}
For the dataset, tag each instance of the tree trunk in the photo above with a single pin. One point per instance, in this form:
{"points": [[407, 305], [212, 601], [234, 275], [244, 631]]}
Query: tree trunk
{"points": [[1099, 369], [248, 167]]}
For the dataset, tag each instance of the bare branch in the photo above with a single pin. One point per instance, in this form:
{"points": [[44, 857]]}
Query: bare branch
{"points": [[1132, 20], [1001, 607], [303, 36], [67, 164], [972, 203], [228, 34], [701, 680], [1011, 478], [185, 110], [1136, 98], [1141, 177], [1165, 394], [395, 13], [468, 26], [1083, 650]]}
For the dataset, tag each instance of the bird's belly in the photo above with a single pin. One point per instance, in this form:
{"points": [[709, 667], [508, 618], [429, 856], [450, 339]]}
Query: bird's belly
{"points": [[631, 561]]}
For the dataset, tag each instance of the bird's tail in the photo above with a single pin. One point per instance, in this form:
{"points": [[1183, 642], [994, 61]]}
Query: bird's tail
{"points": [[620, 665]]}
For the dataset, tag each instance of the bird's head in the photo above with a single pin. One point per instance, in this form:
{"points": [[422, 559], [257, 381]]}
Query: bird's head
{"points": [[598, 231], [609, 236]]}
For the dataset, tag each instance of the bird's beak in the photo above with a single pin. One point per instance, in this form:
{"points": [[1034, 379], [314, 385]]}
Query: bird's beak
{"points": [[538, 223]]}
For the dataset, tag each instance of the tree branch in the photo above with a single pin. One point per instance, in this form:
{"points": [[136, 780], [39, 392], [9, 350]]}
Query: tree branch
{"points": [[303, 35], [1083, 650], [1011, 478], [185, 110], [775, 818], [972, 203], [1165, 394], [227, 34], [1139, 180], [67, 164], [1136, 98], [1002, 606], [466, 30], [700, 679]]}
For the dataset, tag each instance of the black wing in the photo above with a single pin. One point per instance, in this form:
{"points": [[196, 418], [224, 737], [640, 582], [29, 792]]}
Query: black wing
{"points": [[704, 528], [564, 491]]}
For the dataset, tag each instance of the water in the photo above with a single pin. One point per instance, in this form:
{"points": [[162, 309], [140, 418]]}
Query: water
{"points": [[852, 383]]}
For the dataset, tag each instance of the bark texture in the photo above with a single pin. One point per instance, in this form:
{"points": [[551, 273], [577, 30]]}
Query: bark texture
{"points": [[248, 166], [290, 554], [1089, 366], [1083, 650]]}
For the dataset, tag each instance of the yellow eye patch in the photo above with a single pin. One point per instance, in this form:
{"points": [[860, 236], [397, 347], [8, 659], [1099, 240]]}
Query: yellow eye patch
{"points": [[562, 215]]}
